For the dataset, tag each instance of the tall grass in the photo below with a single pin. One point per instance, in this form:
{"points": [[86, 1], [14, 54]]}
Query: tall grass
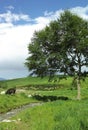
{"points": [[58, 115], [8, 102]]}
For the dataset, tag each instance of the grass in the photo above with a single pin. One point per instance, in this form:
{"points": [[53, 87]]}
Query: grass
{"points": [[56, 115], [9, 102], [33, 81]]}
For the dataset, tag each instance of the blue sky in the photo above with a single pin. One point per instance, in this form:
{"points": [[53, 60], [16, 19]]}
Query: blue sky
{"points": [[18, 21], [36, 8]]}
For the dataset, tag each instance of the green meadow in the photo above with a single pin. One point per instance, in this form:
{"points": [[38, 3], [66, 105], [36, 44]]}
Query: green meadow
{"points": [[68, 114]]}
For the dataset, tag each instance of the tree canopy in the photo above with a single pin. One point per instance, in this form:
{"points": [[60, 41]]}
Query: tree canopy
{"points": [[61, 47]]}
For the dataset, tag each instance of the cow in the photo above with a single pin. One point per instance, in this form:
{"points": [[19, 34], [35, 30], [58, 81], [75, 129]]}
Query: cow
{"points": [[11, 91]]}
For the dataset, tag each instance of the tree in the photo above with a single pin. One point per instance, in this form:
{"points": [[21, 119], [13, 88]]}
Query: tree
{"points": [[60, 47], [43, 51], [74, 40]]}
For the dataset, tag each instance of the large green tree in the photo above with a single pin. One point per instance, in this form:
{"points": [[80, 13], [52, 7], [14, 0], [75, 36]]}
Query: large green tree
{"points": [[74, 40], [61, 47]]}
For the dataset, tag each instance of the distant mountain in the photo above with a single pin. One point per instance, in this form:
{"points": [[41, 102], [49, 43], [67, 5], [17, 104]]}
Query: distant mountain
{"points": [[1, 79]]}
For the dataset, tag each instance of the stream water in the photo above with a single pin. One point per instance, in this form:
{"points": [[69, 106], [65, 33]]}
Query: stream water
{"points": [[6, 116]]}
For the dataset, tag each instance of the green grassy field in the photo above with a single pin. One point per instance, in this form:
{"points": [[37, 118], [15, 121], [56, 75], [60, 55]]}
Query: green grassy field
{"points": [[57, 115], [34, 81]]}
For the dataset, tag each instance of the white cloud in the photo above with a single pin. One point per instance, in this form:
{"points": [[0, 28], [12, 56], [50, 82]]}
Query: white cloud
{"points": [[13, 43], [81, 11], [42, 20], [14, 39], [10, 17], [10, 7], [53, 15], [46, 13]]}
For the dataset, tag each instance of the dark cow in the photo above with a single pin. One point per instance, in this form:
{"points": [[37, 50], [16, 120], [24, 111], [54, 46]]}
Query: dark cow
{"points": [[11, 91]]}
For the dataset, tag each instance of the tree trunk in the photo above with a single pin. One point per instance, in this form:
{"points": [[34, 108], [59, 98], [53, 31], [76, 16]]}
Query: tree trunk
{"points": [[78, 89]]}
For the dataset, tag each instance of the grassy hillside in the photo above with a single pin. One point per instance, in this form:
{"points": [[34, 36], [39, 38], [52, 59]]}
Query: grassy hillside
{"points": [[24, 82], [39, 83], [57, 115]]}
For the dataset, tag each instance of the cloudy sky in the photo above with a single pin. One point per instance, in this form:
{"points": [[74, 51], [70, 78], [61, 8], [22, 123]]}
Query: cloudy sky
{"points": [[18, 20]]}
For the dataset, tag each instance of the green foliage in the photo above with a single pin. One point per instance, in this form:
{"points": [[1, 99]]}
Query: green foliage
{"points": [[74, 42], [61, 47]]}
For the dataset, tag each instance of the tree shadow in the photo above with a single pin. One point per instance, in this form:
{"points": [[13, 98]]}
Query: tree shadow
{"points": [[49, 98]]}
